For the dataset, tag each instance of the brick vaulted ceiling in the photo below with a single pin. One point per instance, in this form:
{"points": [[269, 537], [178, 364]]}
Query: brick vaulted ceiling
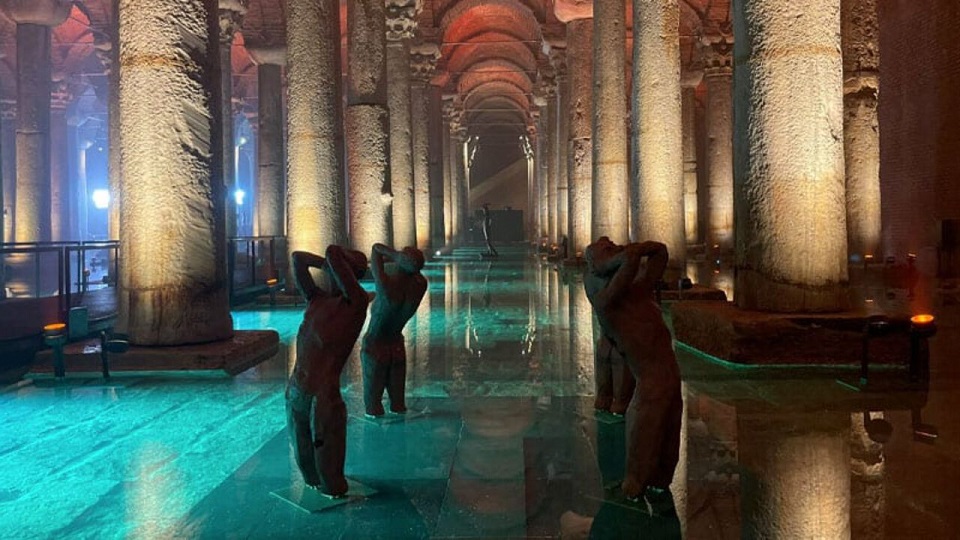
{"points": [[493, 51]]}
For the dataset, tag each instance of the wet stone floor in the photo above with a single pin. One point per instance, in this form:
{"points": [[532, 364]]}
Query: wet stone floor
{"points": [[500, 442]]}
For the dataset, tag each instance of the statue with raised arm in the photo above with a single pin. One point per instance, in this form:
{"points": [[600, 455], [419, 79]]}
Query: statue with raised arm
{"points": [[331, 325], [384, 354], [631, 319]]}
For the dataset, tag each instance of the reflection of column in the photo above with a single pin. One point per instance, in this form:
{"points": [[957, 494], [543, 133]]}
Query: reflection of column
{"points": [[316, 207], [401, 24], [868, 496], [423, 63], [689, 83], [657, 209], [270, 188], [367, 125], [231, 18], [59, 165], [34, 25], [8, 145], [860, 31], [610, 183], [581, 338], [718, 77], [171, 78], [579, 143], [790, 202], [558, 58], [782, 452]]}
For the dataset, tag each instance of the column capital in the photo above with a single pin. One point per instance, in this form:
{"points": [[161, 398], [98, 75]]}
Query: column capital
{"points": [[716, 49], [558, 60], [41, 12], [690, 78], [231, 19], [402, 18], [423, 61], [103, 49], [8, 109], [547, 82]]}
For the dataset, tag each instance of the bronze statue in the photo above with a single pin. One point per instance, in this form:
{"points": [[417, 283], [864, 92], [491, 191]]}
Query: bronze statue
{"points": [[614, 380], [487, 221], [384, 355], [331, 324], [630, 317]]}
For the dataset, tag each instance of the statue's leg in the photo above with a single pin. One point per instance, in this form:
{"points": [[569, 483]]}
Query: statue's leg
{"points": [[645, 442], [670, 449], [298, 426], [603, 375], [330, 427], [398, 379], [624, 382], [374, 380]]}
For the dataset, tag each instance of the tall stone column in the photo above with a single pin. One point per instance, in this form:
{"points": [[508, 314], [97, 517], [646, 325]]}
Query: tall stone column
{"points": [[8, 162], [59, 164], [435, 145], [173, 287], [367, 126], [791, 226], [530, 225], [558, 59], [34, 22], [459, 177], [401, 24], [718, 77], [107, 49], [270, 164], [231, 19], [423, 63], [316, 203], [657, 149], [448, 209], [542, 158], [611, 186], [548, 90], [580, 141], [860, 39], [691, 215]]}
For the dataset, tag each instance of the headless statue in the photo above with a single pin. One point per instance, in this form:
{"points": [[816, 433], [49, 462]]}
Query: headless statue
{"points": [[630, 317], [487, 221], [331, 324], [384, 354]]}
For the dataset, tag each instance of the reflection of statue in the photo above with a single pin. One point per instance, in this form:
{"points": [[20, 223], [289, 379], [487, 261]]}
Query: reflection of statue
{"points": [[383, 354], [487, 221], [331, 324], [630, 318], [615, 382]]}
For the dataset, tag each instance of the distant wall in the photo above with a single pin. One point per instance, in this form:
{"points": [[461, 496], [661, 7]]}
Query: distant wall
{"points": [[920, 128]]}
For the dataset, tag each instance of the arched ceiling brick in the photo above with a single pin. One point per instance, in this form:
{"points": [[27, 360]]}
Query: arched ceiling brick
{"points": [[494, 70]]}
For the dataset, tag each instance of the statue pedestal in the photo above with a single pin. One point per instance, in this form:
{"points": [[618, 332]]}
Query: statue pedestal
{"points": [[391, 417], [312, 500]]}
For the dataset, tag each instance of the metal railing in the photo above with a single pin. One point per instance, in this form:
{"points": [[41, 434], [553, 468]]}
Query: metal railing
{"points": [[252, 260]]}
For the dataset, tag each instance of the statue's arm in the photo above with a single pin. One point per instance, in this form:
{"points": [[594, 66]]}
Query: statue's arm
{"points": [[627, 264], [377, 257], [302, 262], [343, 274], [657, 257]]}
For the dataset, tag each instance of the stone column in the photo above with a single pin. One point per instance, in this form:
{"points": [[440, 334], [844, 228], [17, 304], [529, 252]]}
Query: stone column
{"points": [[782, 451], [423, 63], [448, 210], [34, 23], [558, 59], [316, 204], [458, 147], [173, 288], [860, 38], [8, 146], [270, 165], [401, 24], [231, 18], [790, 201], [59, 164], [657, 150], [689, 82], [367, 125], [718, 78], [530, 225], [435, 145], [580, 142], [548, 90], [611, 187]]}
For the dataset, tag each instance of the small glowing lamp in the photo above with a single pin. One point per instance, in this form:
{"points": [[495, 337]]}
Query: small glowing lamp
{"points": [[922, 320], [101, 199], [54, 329], [239, 195], [272, 281], [438, 253], [868, 257]]}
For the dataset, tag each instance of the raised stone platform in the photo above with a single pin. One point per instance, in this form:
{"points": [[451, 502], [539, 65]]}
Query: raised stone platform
{"points": [[756, 338], [698, 293], [246, 349]]}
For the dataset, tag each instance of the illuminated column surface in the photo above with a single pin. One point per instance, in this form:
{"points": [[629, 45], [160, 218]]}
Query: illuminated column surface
{"points": [[447, 140], [459, 177], [795, 479], [657, 213], [34, 23], [580, 130], [548, 90], [611, 185], [231, 18], [8, 145], [367, 125], [558, 58], [436, 163], [860, 37], [542, 120], [423, 63], [791, 227], [108, 50], [401, 24], [718, 79], [868, 497], [173, 287], [689, 82], [316, 204], [270, 181], [59, 165]]}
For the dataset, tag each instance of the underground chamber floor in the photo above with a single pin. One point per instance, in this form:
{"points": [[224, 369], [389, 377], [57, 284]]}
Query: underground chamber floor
{"points": [[500, 441]]}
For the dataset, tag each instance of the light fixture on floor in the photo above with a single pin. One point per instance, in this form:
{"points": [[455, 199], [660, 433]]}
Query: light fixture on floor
{"points": [[272, 285], [922, 328], [111, 343], [55, 337]]}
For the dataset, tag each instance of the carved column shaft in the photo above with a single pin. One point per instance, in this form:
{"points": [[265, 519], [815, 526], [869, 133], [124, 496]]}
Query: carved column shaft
{"points": [[401, 23], [690, 204], [270, 165], [447, 176], [33, 133], [173, 287], [559, 60], [718, 79], [60, 215], [231, 18], [8, 146], [423, 64], [580, 142], [551, 139]]}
